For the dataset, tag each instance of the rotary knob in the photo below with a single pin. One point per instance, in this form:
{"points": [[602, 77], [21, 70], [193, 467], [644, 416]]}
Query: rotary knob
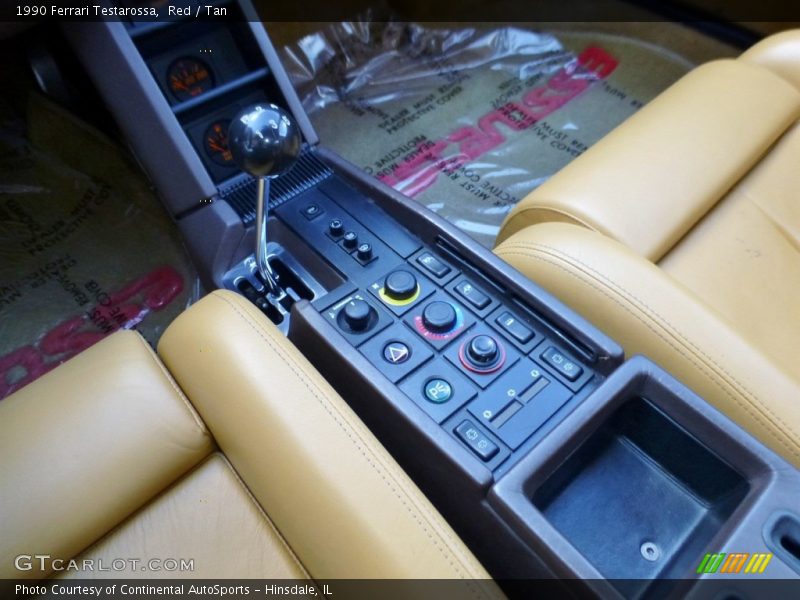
{"points": [[364, 252], [336, 227], [439, 317], [482, 354], [350, 240], [357, 315], [482, 350], [400, 285]]}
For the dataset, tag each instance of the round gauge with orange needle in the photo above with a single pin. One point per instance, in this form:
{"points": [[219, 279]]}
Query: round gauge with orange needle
{"points": [[189, 77], [215, 142]]}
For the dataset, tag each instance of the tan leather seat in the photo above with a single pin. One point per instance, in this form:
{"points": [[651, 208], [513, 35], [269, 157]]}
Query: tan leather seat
{"points": [[266, 473], [679, 235]]}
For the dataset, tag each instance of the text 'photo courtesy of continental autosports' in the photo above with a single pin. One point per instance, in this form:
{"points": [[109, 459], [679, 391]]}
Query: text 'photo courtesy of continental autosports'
{"points": [[360, 299]]}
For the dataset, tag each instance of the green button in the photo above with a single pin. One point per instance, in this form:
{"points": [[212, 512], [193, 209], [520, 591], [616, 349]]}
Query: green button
{"points": [[438, 391]]}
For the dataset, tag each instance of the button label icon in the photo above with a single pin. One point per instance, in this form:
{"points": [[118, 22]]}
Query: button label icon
{"points": [[396, 353], [438, 391]]}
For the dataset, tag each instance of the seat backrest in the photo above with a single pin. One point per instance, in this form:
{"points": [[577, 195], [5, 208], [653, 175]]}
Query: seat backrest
{"points": [[655, 176], [87, 445]]}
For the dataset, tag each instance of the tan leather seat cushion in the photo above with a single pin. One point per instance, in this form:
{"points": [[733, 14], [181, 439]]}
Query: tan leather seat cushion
{"points": [[87, 445], [209, 517], [704, 182], [743, 258]]}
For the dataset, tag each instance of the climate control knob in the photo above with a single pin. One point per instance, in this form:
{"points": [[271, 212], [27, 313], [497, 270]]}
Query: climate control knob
{"points": [[482, 354], [482, 350], [439, 317], [400, 285], [357, 315]]}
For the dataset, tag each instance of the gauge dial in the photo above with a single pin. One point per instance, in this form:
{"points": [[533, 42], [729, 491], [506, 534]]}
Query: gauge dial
{"points": [[189, 77], [215, 142]]}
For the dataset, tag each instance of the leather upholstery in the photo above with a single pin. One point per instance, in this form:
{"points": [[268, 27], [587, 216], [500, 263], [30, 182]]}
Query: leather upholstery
{"points": [[744, 257], [98, 456], [86, 445], [209, 517], [650, 180], [331, 489], [703, 182], [780, 53], [650, 313]]}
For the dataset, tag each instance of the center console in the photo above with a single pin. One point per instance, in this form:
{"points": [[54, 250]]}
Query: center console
{"points": [[469, 354], [549, 454]]}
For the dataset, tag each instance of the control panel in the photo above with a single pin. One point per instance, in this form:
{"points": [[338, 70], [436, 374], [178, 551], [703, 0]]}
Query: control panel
{"points": [[488, 370]]}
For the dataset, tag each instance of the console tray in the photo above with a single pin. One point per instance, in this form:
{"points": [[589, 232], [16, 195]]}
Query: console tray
{"points": [[633, 488], [641, 497]]}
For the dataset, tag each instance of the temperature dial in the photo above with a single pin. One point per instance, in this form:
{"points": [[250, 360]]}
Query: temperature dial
{"points": [[482, 354]]}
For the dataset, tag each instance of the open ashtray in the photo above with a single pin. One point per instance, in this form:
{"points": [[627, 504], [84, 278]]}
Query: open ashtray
{"points": [[639, 483]]}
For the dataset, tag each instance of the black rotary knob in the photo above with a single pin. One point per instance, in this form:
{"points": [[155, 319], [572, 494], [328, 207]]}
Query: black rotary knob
{"points": [[364, 251], [400, 285], [357, 314], [439, 317], [336, 227], [482, 350], [350, 240]]}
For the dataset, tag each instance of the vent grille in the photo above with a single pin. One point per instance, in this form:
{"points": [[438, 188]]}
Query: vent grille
{"points": [[306, 173]]}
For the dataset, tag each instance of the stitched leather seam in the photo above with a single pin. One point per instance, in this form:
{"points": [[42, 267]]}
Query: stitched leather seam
{"points": [[355, 438], [260, 509], [360, 444], [174, 385], [665, 324], [549, 209]]}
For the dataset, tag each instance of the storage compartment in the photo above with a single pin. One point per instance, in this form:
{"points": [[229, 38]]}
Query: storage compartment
{"points": [[640, 497], [643, 482]]}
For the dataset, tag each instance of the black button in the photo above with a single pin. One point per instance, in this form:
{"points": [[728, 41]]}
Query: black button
{"points": [[512, 326], [400, 285], [439, 317], [364, 252], [396, 353], [350, 240], [386, 352], [473, 295], [482, 350], [357, 314], [562, 363], [312, 211], [433, 264], [336, 227], [476, 440]]}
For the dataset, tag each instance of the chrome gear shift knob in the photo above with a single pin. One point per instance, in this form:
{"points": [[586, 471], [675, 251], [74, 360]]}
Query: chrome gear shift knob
{"points": [[265, 142]]}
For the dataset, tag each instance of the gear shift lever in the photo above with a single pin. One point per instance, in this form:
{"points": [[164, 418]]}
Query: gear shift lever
{"points": [[265, 142]]}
